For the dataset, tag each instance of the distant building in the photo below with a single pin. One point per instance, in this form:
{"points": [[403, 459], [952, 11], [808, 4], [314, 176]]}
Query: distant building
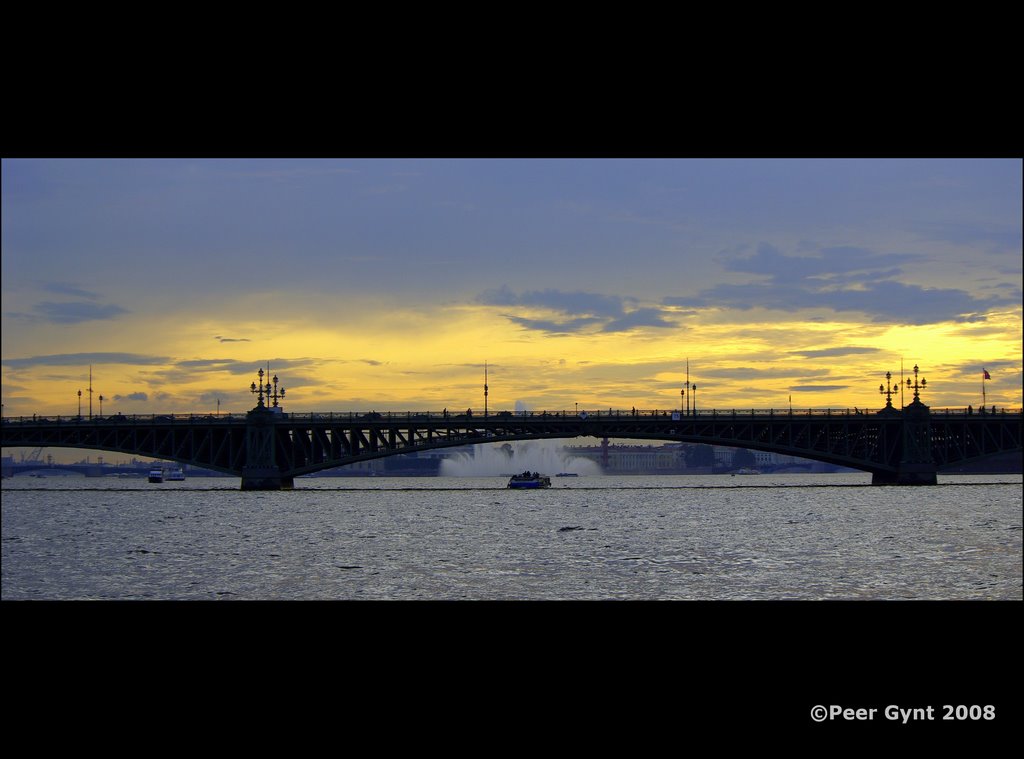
{"points": [[669, 458], [689, 458]]}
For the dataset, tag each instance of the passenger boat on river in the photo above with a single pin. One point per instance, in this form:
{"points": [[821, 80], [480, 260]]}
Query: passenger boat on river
{"points": [[529, 481]]}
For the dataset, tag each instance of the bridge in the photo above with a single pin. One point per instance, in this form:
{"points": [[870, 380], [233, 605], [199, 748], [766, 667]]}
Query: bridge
{"points": [[267, 448]]}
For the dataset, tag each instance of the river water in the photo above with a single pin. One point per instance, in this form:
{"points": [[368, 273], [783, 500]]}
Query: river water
{"points": [[758, 537]]}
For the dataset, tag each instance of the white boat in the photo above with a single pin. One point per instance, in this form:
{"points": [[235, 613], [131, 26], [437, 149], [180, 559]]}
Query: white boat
{"points": [[175, 475], [156, 474]]}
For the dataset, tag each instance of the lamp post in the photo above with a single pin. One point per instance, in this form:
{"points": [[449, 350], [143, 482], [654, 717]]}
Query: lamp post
{"points": [[101, 405], [686, 387], [888, 389], [682, 394], [917, 387], [276, 395], [79, 404], [258, 390], [693, 389]]}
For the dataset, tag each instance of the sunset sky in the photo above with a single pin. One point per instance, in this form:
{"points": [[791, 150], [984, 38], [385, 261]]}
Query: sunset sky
{"points": [[386, 284]]}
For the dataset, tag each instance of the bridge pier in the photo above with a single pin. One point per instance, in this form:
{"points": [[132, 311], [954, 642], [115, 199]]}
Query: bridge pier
{"points": [[916, 466], [908, 474], [264, 478], [262, 472]]}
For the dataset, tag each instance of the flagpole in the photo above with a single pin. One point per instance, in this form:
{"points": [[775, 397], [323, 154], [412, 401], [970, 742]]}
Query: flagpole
{"points": [[901, 381]]}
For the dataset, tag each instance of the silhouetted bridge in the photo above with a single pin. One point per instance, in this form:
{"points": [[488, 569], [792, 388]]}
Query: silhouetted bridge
{"points": [[268, 448]]}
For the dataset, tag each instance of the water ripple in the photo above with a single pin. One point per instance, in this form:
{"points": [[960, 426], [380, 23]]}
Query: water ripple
{"points": [[614, 538]]}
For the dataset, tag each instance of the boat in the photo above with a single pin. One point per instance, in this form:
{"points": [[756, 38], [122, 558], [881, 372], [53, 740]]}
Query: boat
{"points": [[747, 471], [175, 475], [156, 474], [567, 474], [529, 481]]}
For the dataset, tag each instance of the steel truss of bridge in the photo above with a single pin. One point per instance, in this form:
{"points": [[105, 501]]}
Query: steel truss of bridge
{"points": [[268, 448]]}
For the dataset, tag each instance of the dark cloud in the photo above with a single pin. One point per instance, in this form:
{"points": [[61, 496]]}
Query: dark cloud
{"points": [[65, 289], [132, 397], [216, 364], [84, 359], [827, 352], [582, 303], [75, 313], [749, 373], [553, 327], [641, 317], [70, 313], [210, 397], [582, 311], [828, 262], [817, 388], [839, 279], [987, 239], [996, 369], [240, 368]]}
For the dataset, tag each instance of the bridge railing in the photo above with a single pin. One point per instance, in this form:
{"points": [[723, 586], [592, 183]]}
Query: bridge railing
{"points": [[437, 416]]}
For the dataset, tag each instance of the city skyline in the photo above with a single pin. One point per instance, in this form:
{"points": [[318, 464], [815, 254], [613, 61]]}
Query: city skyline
{"points": [[387, 284]]}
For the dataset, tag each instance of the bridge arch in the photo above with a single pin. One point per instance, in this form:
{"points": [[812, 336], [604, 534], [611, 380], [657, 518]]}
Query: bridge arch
{"points": [[268, 449]]}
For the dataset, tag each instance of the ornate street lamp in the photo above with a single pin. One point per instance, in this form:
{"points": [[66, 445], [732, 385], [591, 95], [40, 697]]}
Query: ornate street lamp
{"points": [[686, 387], [101, 405], [917, 387], [276, 395], [693, 389], [258, 390], [79, 404], [888, 389]]}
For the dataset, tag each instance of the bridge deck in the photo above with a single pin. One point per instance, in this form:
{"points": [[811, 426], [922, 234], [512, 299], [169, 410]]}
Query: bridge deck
{"points": [[285, 445]]}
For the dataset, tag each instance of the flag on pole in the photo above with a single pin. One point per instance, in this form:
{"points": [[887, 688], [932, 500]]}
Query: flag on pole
{"points": [[985, 374]]}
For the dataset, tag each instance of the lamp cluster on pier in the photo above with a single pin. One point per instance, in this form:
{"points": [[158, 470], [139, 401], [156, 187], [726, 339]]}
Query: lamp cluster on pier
{"points": [[916, 387], [888, 390], [268, 390]]}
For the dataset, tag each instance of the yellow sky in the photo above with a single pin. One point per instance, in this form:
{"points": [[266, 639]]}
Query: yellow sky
{"points": [[378, 284], [363, 354]]}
